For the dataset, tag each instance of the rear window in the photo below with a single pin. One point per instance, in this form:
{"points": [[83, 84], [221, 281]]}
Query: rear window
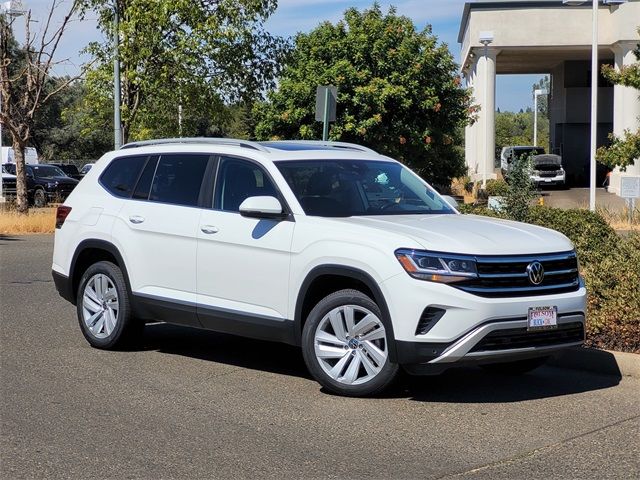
{"points": [[178, 179], [121, 175]]}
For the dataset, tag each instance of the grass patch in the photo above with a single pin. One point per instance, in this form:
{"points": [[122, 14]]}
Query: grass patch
{"points": [[38, 220]]}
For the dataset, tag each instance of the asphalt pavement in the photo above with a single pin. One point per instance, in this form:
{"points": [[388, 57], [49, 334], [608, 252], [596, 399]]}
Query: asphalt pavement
{"points": [[190, 404]]}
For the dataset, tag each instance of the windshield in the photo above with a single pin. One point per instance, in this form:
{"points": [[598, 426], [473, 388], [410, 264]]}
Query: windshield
{"points": [[47, 171], [527, 152], [344, 188]]}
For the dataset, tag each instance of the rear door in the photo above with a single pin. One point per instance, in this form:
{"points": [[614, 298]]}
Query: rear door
{"points": [[243, 263], [157, 227]]}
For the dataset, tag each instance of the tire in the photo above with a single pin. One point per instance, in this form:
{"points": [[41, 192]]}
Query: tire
{"points": [[519, 367], [104, 310], [343, 364], [39, 198]]}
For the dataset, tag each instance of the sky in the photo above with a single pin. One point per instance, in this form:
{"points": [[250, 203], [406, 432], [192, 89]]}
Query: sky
{"points": [[292, 16]]}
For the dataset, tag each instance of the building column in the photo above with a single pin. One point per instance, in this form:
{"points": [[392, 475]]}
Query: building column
{"points": [[485, 95], [626, 108], [470, 134]]}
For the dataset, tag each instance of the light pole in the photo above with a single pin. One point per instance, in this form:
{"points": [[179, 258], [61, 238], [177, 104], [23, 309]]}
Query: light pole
{"points": [[14, 8], [486, 38], [594, 90], [536, 94], [117, 121]]}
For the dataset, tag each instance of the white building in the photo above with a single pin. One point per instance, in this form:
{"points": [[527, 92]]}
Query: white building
{"points": [[549, 37]]}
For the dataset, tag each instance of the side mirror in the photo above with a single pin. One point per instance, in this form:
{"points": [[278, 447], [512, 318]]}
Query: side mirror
{"points": [[450, 200], [262, 207]]}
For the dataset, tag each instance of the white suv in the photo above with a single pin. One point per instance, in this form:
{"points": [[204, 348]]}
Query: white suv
{"points": [[329, 246]]}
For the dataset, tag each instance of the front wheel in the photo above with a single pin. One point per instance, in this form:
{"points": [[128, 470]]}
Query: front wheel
{"points": [[39, 198], [346, 345]]}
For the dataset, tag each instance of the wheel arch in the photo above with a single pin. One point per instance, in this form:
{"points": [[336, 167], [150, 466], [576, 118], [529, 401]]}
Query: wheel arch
{"points": [[315, 287], [89, 252]]}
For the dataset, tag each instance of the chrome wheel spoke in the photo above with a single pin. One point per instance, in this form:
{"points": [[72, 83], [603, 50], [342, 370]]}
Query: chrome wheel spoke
{"points": [[352, 371], [337, 325], [98, 325], [349, 318], [338, 367], [93, 319], [90, 304], [325, 351], [326, 337], [368, 366], [366, 324], [376, 334], [374, 352]]}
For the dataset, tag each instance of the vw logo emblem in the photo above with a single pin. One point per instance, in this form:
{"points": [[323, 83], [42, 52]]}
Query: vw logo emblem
{"points": [[353, 343], [535, 270]]}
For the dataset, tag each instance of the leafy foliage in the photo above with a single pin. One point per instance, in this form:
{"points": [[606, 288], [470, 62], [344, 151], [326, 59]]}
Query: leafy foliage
{"points": [[624, 150], [517, 129], [520, 191], [180, 52], [398, 91], [496, 187]]}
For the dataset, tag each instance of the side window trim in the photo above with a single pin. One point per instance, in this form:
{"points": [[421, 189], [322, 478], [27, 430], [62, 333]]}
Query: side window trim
{"points": [[220, 160]]}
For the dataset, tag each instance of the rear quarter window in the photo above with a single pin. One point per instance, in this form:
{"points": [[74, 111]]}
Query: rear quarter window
{"points": [[122, 174]]}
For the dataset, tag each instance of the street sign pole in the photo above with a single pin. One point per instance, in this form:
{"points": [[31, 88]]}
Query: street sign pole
{"points": [[325, 127]]}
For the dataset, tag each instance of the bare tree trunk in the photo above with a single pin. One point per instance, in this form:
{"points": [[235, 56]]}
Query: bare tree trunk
{"points": [[22, 199]]}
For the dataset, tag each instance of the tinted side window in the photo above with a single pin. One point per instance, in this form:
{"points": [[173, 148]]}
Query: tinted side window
{"points": [[144, 183], [178, 179], [121, 175], [238, 180]]}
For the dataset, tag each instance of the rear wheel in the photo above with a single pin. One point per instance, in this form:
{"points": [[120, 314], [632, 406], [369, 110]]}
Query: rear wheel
{"points": [[104, 311], [516, 368], [346, 346]]}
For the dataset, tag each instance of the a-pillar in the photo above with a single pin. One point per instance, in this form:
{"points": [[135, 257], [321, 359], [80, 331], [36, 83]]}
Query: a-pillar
{"points": [[485, 95], [626, 108]]}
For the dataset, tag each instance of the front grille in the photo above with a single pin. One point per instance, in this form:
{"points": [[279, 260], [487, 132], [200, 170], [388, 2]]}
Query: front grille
{"points": [[507, 276], [8, 187], [549, 174], [522, 338]]}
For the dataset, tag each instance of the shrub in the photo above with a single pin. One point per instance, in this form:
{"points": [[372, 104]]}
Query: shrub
{"points": [[614, 297], [520, 191], [590, 233], [496, 188]]}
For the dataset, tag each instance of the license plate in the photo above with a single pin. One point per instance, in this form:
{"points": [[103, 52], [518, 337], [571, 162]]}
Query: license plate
{"points": [[547, 180], [541, 318]]}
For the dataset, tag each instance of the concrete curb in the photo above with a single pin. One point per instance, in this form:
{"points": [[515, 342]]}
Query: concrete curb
{"points": [[605, 362]]}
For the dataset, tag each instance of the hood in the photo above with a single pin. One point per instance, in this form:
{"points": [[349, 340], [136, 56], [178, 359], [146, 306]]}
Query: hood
{"points": [[60, 179], [8, 176], [472, 234], [547, 160]]}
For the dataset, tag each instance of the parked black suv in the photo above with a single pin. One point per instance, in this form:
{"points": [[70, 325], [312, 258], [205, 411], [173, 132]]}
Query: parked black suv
{"points": [[70, 169], [45, 183]]}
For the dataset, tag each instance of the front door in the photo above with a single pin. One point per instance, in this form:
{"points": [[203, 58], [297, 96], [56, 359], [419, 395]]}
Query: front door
{"points": [[243, 263]]}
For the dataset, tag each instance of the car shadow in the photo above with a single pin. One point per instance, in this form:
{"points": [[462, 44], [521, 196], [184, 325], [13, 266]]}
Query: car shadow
{"points": [[457, 385], [9, 238], [228, 349]]}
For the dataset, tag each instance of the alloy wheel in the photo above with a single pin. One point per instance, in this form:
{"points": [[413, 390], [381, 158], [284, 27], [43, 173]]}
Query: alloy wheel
{"points": [[100, 306]]}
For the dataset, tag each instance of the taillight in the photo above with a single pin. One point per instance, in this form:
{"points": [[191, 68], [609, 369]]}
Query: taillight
{"points": [[61, 215]]}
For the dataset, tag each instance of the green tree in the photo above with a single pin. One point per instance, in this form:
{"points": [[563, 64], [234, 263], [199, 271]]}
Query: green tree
{"points": [[398, 91], [197, 54], [624, 150]]}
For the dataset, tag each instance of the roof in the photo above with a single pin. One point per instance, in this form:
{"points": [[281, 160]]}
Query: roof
{"points": [[501, 4]]}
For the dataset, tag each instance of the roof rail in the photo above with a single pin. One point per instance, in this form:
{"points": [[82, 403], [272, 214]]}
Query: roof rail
{"points": [[322, 143], [197, 141]]}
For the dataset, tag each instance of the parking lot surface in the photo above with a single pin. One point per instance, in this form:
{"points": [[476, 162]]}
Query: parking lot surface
{"points": [[191, 404]]}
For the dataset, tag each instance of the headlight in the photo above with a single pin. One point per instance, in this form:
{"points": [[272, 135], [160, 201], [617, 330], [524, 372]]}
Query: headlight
{"points": [[437, 267], [52, 184]]}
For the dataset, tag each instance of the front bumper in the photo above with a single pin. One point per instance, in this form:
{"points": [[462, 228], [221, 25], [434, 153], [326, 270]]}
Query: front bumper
{"points": [[505, 340], [557, 180], [468, 320]]}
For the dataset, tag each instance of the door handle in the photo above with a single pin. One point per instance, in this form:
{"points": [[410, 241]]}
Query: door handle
{"points": [[209, 229], [136, 219]]}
